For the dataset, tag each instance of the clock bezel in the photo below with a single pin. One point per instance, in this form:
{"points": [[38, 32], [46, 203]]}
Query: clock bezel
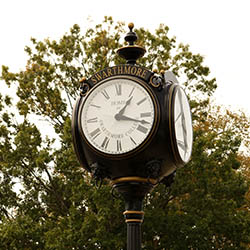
{"points": [[75, 136], [153, 129], [174, 146]]}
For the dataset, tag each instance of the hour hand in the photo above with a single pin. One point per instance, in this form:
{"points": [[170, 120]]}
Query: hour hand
{"points": [[126, 104], [120, 117]]}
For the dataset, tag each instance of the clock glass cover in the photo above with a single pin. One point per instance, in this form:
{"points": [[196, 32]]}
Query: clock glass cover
{"points": [[182, 125], [118, 116]]}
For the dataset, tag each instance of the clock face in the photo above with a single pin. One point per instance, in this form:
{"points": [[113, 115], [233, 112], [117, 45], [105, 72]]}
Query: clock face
{"points": [[182, 125], [118, 116]]}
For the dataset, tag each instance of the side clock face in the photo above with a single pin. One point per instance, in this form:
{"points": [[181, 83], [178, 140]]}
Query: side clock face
{"points": [[118, 116], [180, 125]]}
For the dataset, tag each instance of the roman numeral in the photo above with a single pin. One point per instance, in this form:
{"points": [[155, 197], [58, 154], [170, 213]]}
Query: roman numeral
{"points": [[92, 120], [95, 133], [141, 101], [133, 141], [96, 106], [105, 142], [119, 145], [118, 89], [142, 129], [178, 117], [105, 94], [146, 114]]}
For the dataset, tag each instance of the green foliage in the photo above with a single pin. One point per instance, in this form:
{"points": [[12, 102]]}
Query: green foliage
{"points": [[48, 202]]}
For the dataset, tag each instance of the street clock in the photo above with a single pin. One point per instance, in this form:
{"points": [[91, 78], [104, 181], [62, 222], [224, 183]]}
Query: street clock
{"points": [[130, 114], [133, 127]]}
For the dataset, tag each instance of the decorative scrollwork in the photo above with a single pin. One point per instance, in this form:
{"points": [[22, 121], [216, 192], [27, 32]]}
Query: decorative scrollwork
{"points": [[153, 169], [84, 89], [156, 82], [99, 173]]}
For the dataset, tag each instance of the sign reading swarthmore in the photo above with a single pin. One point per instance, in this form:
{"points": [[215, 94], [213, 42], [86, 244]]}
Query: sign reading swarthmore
{"points": [[121, 70]]}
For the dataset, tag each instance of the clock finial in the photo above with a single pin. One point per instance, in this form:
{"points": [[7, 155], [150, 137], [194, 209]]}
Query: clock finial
{"points": [[131, 52], [131, 36], [131, 26]]}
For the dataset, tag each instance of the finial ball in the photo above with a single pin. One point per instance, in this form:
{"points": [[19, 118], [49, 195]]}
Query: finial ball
{"points": [[130, 26], [83, 80]]}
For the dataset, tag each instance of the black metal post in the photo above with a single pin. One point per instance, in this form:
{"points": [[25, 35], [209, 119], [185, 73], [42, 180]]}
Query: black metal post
{"points": [[133, 193], [134, 220], [133, 236]]}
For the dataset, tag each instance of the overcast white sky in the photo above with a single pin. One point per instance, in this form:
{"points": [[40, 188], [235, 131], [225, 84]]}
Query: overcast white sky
{"points": [[217, 29]]}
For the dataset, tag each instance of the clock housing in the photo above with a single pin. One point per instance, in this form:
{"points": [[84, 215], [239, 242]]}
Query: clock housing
{"points": [[131, 122]]}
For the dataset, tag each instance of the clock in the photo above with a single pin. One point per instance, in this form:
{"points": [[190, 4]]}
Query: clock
{"points": [[180, 125], [119, 116]]}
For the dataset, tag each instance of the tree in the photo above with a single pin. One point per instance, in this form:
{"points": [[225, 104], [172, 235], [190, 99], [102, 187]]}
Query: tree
{"points": [[47, 201]]}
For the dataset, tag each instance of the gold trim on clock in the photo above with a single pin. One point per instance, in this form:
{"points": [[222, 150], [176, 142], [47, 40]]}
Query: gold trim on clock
{"points": [[152, 83], [134, 178], [133, 212], [133, 220]]}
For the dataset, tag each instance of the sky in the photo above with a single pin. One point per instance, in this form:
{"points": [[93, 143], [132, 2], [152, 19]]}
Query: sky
{"points": [[217, 29]]}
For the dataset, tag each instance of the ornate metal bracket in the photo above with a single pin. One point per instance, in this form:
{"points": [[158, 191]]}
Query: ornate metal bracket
{"points": [[131, 52], [153, 169], [99, 172], [85, 87], [156, 82]]}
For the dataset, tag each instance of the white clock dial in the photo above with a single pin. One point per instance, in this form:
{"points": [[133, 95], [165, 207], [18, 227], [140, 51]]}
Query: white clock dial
{"points": [[183, 125], [117, 116]]}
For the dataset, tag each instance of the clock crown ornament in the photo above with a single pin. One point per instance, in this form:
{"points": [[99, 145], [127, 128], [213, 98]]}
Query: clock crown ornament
{"points": [[131, 52]]}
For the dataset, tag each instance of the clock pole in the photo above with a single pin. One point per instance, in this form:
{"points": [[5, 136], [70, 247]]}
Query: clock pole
{"points": [[133, 190]]}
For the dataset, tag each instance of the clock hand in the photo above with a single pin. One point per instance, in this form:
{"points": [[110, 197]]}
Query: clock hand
{"points": [[181, 144], [178, 117], [126, 104], [119, 117]]}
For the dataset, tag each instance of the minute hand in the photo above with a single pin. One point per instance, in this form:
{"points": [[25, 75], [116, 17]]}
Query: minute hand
{"points": [[119, 117]]}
